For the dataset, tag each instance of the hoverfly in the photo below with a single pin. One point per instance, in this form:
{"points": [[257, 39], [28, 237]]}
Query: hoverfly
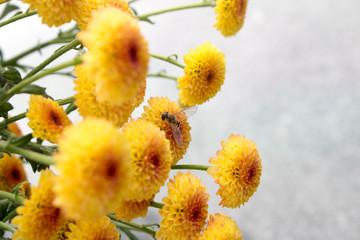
{"points": [[175, 123]]}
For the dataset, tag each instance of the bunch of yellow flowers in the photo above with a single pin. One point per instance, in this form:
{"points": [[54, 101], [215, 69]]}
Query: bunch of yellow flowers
{"points": [[99, 174]]}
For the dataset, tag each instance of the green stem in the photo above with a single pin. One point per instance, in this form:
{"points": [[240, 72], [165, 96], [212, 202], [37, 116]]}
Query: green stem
{"points": [[30, 145], [134, 226], [145, 17], [162, 76], [191, 167], [7, 227], [13, 60], [65, 101], [29, 80], [10, 215], [157, 205], [169, 60], [60, 51], [12, 197], [18, 17], [35, 156]]}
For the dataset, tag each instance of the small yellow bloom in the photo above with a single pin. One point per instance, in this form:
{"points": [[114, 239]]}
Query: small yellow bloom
{"points": [[237, 169], [90, 6], [14, 128], [204, 75], [39, 219], [221, 227], [230, 16], [11, 172], [47, 118], [93, 163], [153, 113], [185, 210], [56, 12], [101, 228], [88, 105], [25, 189], [118, 55], [129, 210], [151, 159]]}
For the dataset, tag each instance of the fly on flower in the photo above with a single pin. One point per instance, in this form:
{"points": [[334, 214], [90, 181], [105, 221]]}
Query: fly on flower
{"points": [[175, 123]]}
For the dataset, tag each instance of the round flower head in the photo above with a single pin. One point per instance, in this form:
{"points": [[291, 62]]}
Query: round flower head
{"points": [[47, 118], [90, 6], [185, 210], [118, 54], [221, 227], [230, 16], [93, 164], [151, 159], [237, 169], [128, 210], [56, 12], [88, 105], [39, 219], [154, 113], [11, 172], [204, 75], [25, 189], [101, 228]]}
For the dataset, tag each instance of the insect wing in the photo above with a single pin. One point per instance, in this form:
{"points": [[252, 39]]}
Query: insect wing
{"points": [[176, 132], [189, 111]]}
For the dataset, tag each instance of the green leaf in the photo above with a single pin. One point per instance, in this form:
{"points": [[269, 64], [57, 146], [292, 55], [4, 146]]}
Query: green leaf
{"points": [[12, 74], [4, 205], [36, 167], [33, 89], [8, 9], [3, 93], [21, 141], [5, 108]]}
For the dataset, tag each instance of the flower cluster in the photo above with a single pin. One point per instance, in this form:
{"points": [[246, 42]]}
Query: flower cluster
{"points": [[107, 168]]}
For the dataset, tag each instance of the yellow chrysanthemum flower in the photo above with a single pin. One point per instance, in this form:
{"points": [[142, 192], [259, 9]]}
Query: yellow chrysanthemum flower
{"points": [[92, 5], [14, 128], [47, 118], [221, 227], [56, 12], [101, 228], [88, 105], [153, 113], [185, 210], [11, 172], [39, 219], [93, 164], [204, 75], [129, 210], [230, 15], [237, 169], [151, 159], [118, 54]]}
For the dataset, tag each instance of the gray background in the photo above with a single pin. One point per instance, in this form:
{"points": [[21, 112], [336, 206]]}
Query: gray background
{"points": [[292, 86]]}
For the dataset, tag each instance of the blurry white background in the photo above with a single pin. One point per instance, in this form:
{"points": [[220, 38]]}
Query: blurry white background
{"points": [[292, 86]]}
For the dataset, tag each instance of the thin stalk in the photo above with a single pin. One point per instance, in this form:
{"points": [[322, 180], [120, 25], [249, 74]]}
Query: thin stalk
{"points": [[160, 75], [35, 156], [133, 226], [7, 227], [60, 51], [157, 205], [168, 59], [29, 80], [191, 167], [145, 17], [12, 61], [18, 17], [10, 215], [12, 197]]}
